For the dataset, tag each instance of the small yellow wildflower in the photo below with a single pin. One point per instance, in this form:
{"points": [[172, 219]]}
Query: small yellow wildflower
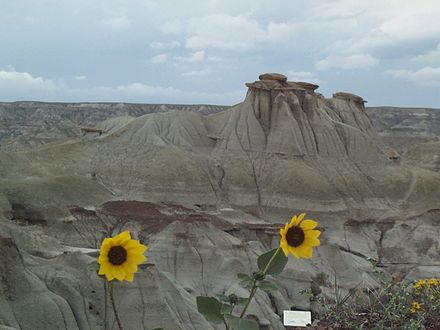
{"points": [[415, 307], [420, 284], [433, 282], [299, 237]]}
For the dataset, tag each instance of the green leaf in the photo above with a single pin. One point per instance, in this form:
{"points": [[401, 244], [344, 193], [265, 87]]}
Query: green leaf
{"points": [[245, 284], [277, 265], [226, 309], [237, 323], [210, 308], [246, 280], [267, 286], [244, 277]]}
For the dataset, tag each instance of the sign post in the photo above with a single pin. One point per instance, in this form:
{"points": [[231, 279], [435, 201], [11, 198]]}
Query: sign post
{"points": [[297, 318]]}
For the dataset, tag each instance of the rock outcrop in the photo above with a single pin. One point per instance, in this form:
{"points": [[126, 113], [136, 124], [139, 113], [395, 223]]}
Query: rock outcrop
{"points": [[287, 118], [208, 193], [404, 128]]}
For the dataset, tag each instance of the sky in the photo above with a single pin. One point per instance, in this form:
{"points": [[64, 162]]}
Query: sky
{"points": [[192, 52]]}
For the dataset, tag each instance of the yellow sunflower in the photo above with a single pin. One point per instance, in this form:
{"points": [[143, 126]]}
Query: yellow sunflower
{"points": [[299, 237], [120, 256]]}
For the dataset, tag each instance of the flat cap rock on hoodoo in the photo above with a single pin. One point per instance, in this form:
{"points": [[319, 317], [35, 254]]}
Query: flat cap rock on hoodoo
{"points": [[272, 76], [349, 97]]}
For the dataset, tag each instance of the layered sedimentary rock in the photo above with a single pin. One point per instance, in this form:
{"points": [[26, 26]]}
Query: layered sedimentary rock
{"points": [[212, 192], [30, 124], [403, 128], [288, 118]]}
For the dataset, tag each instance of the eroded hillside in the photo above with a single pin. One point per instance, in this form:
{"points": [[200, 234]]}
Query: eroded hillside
{"points": [[208, 194]]}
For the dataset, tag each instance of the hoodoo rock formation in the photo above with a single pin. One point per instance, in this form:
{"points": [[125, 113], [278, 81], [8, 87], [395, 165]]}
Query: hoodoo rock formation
{"points": [[208, 193], [283, 117]]}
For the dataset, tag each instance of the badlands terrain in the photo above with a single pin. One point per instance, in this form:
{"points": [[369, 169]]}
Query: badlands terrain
{"points": [[207, 189]]}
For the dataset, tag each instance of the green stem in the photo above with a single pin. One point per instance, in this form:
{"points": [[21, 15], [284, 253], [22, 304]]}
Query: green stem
{"points": [[105, 306], [254, 283], [251, 295], [112, 299], [271, 260]]}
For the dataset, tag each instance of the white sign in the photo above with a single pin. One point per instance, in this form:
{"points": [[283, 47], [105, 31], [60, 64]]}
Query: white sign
{"points": [[297, 318]]}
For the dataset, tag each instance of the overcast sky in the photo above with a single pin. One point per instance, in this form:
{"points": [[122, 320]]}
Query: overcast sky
{"points": [[204, 51]]}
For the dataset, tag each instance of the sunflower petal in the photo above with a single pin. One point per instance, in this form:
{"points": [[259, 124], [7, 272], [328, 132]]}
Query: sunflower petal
{"points": [[285, 250], [301, 216], [122, 238], [282, 231], [107, 242], [102, 258], [131, 244], [105, 248], [308, 224], [305, 251], [130, 267], [119, 272], [109, 276], [312, 233], [136, 258], [293, 222], [310, 241], [103, 269], [294, 252], [129, 277], [284, 246], [141, 249]]}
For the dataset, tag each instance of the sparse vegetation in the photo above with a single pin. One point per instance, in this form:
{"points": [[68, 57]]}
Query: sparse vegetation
{"points": [[395, 305]]}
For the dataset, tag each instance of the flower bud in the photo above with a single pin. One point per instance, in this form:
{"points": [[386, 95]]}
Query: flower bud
{"points": [[233, 298], [258, 276]]}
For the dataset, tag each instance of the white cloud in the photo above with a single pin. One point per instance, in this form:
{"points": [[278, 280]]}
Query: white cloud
{"points": [[160, 59], [79, 77], [195, 57], [199, 73], [217, 59], [139, 89], [378, 26], [120, 22], [347, 62], [430, 57], [192, 58], [234, 33], [13, 82], [427, 76], [164, 45], [280, 32], [414, 21], [172, 27], [303, 76], [23, 86], [224, 32]]}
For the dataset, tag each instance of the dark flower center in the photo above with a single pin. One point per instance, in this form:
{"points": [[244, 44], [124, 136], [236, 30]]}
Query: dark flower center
{"points": [[295, 236], [117, 255]]}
